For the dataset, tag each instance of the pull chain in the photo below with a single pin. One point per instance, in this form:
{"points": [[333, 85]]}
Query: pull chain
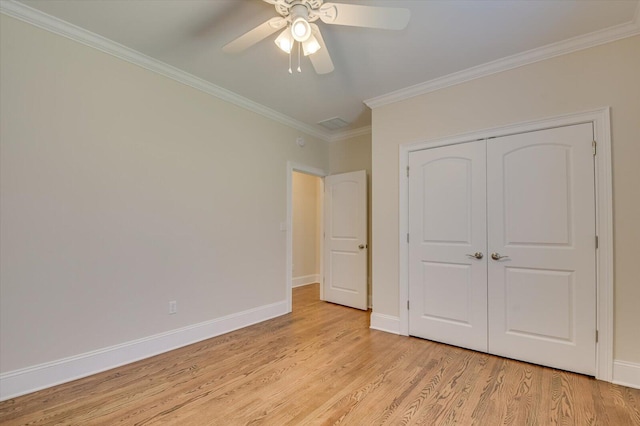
{"points": [[299, 47], [290, 72]]}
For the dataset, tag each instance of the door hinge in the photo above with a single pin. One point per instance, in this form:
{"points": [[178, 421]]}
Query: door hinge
{"points": [[407, 238], [407, 305], [407, 171], [596, 336], [597, 242], [594, 145]]}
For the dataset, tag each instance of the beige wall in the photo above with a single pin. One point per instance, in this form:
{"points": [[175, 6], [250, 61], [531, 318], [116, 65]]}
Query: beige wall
{"points": [[350, 155], [306, 225], [122, 190], [606, 75]]}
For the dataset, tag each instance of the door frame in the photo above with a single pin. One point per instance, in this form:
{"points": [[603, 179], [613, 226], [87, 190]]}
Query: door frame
{"points": [[600, 118], [314, 171]]}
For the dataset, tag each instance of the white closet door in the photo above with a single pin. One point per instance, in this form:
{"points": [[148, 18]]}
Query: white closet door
{"points": [[447, 224], [541, 217]]}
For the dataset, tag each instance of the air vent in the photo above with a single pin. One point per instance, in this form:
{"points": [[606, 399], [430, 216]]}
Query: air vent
{"points": [[334, 123]]}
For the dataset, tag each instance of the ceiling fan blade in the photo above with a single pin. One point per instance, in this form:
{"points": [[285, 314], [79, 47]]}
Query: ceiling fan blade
{"points": [[321, 60], [386, 18], [257, 34]]}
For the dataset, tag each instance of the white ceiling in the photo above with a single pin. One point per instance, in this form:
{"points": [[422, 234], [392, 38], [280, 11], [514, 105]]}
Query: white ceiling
{"points": [[443, 37]]}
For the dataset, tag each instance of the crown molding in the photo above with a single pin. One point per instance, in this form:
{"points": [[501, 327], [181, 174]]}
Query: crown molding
{"points": [[348, 134], [50, 23], [574, 44]]}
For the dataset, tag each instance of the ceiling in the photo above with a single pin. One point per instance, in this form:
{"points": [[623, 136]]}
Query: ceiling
{"points": [[443, 37]]}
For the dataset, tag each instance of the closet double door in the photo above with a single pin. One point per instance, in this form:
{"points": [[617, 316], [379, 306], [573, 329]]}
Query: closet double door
{"points": [[502, 246]]}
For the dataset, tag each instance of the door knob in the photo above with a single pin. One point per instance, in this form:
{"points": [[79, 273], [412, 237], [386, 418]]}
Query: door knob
{"points": [[497, 256], [362, 246], [477, 255]]}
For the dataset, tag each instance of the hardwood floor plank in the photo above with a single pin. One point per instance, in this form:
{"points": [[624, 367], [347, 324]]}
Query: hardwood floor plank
{"points": [[323, 365]]}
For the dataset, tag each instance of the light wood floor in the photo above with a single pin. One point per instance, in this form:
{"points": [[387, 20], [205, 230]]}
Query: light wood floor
{"points": [[323, 365]]}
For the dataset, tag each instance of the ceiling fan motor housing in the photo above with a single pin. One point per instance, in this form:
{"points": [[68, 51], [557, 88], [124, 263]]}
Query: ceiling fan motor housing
{"points": [[286, 7]]}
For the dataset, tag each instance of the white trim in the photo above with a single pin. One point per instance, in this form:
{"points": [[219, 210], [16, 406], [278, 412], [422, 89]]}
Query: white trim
{"points": [[297, 167], [30, 379], [626, 374], [604, 230], [604, 218], [386, 323], [574, 44], [403, 245], [305, 280], [348, 134], [57, 26]]}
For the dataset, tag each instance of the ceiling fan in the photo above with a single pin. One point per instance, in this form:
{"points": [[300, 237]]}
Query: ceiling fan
{"points": [[298, 17]]}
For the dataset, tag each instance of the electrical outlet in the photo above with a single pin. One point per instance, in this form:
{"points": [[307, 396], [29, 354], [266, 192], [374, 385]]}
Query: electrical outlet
{"points": [[173, 307]]}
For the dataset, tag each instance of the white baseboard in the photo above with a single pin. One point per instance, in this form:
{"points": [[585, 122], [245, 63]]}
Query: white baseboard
{"points": [[31, 379], [305, 280], [626, 374], [387, 323]]}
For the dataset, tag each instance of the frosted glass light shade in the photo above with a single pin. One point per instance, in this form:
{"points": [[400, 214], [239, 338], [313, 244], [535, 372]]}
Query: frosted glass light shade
{"points": [[285, 41], [310, 46]]}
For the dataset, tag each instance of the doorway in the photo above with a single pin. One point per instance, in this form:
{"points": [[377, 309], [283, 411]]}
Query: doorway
{"points": [[341, 211], [307, 175], [306, 229]]}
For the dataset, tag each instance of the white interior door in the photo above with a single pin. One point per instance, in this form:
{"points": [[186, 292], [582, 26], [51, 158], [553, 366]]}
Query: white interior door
{"points": [[447, 225], [345, 241], [541, 217], [527, 202]]}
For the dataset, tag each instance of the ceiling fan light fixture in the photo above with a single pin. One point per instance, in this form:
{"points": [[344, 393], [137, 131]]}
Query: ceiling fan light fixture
{"points": [[299, 17], [285, 41], [310, 46]]}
